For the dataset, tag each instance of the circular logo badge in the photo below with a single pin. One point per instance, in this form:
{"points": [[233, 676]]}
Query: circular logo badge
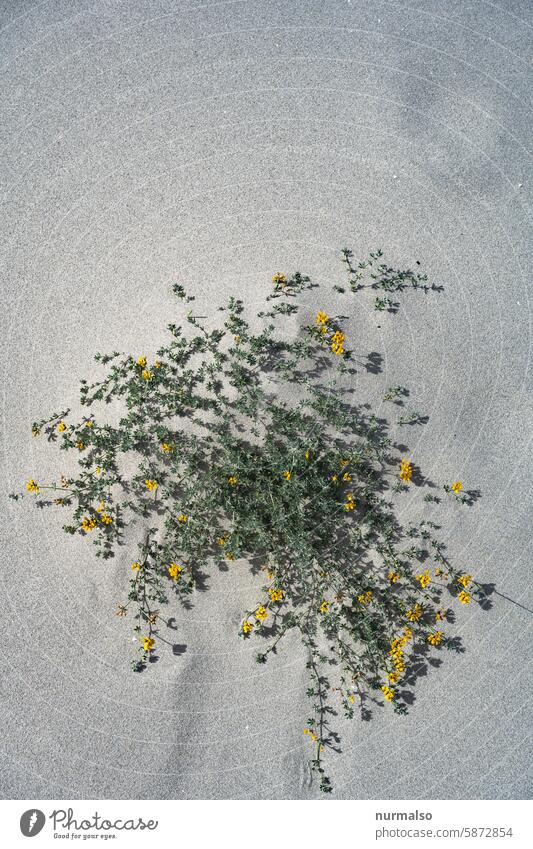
{"points": [[31, 822]]}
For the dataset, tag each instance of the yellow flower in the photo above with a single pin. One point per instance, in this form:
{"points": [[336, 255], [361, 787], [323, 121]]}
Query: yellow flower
{"points": [[346, 476], [287, 475], [175, 571], [324, 607], [141, 361], [80, 445], [31, 486], [146, 374], [157, 364], [150, 484], [334, 478], [322, 318], [406, 470], [351, 698], [279, 278], [221, 540], [350, 503], [307, 731], [166, 447], [464, 598], [136, 566], [457, 486], [183, 518], [387, 692], [61, 427], [440, 615], [464, 580], [415, 613], [232, 480], [365, 598], [275, 595], [394, 577], [98, 470], [88, 524], [307, 455], [230, 556], [423, 578], [337, 343], [148, 643], [247, 626], [89, 423], [394, 677], [261, 613], [435, 638], [344, 463], [106, 519]]}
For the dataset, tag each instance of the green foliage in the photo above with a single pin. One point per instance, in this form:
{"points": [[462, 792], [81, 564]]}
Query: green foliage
{"points": [[244, 445]]}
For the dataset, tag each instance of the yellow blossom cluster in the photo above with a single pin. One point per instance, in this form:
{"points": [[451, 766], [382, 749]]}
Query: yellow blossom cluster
{"points": [[397, 653], [337, 343], [414, 613], [406, 470], [166, 447], [221, 540], [393, 577], [275, 594], [464, 580], [324, 607], [88, 524], [279, 278], [136, 566], [424, 578], [287, 475], [322, 319], [350, 502], [146, 374], [435, 638], [61, 427], [457, 487], [183, 518], [312, 734], [387, 692], [106, 519], [150, 484], [365, 598], [141, 361], [31, 486], [261, 613], [80, 445], [175, 571], [247, 626], [464, 597], [232, 480], [89, 423], [148, 643]]}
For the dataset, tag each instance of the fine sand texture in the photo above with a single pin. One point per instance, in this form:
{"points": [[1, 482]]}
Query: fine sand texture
{"points": [[212, 144]]}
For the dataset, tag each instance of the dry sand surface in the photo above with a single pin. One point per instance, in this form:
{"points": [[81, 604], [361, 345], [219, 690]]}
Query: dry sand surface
{"points": [[214, 143]]}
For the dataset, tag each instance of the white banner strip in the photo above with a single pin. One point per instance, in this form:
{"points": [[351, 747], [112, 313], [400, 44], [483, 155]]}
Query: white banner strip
{"points": [[300, 824]]}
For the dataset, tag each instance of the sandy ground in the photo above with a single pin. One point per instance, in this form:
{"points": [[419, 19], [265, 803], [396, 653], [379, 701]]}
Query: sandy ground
{"points": [[214, 143]]}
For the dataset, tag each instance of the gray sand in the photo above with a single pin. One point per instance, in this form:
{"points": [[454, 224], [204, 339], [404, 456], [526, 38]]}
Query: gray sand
{"points": [[215, 143]]}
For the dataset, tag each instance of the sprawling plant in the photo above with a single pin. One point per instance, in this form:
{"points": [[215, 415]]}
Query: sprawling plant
{"points": [[244, 443]]}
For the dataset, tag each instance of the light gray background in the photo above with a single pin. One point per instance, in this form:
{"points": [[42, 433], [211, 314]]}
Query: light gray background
{"points": [[214, 143]]}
